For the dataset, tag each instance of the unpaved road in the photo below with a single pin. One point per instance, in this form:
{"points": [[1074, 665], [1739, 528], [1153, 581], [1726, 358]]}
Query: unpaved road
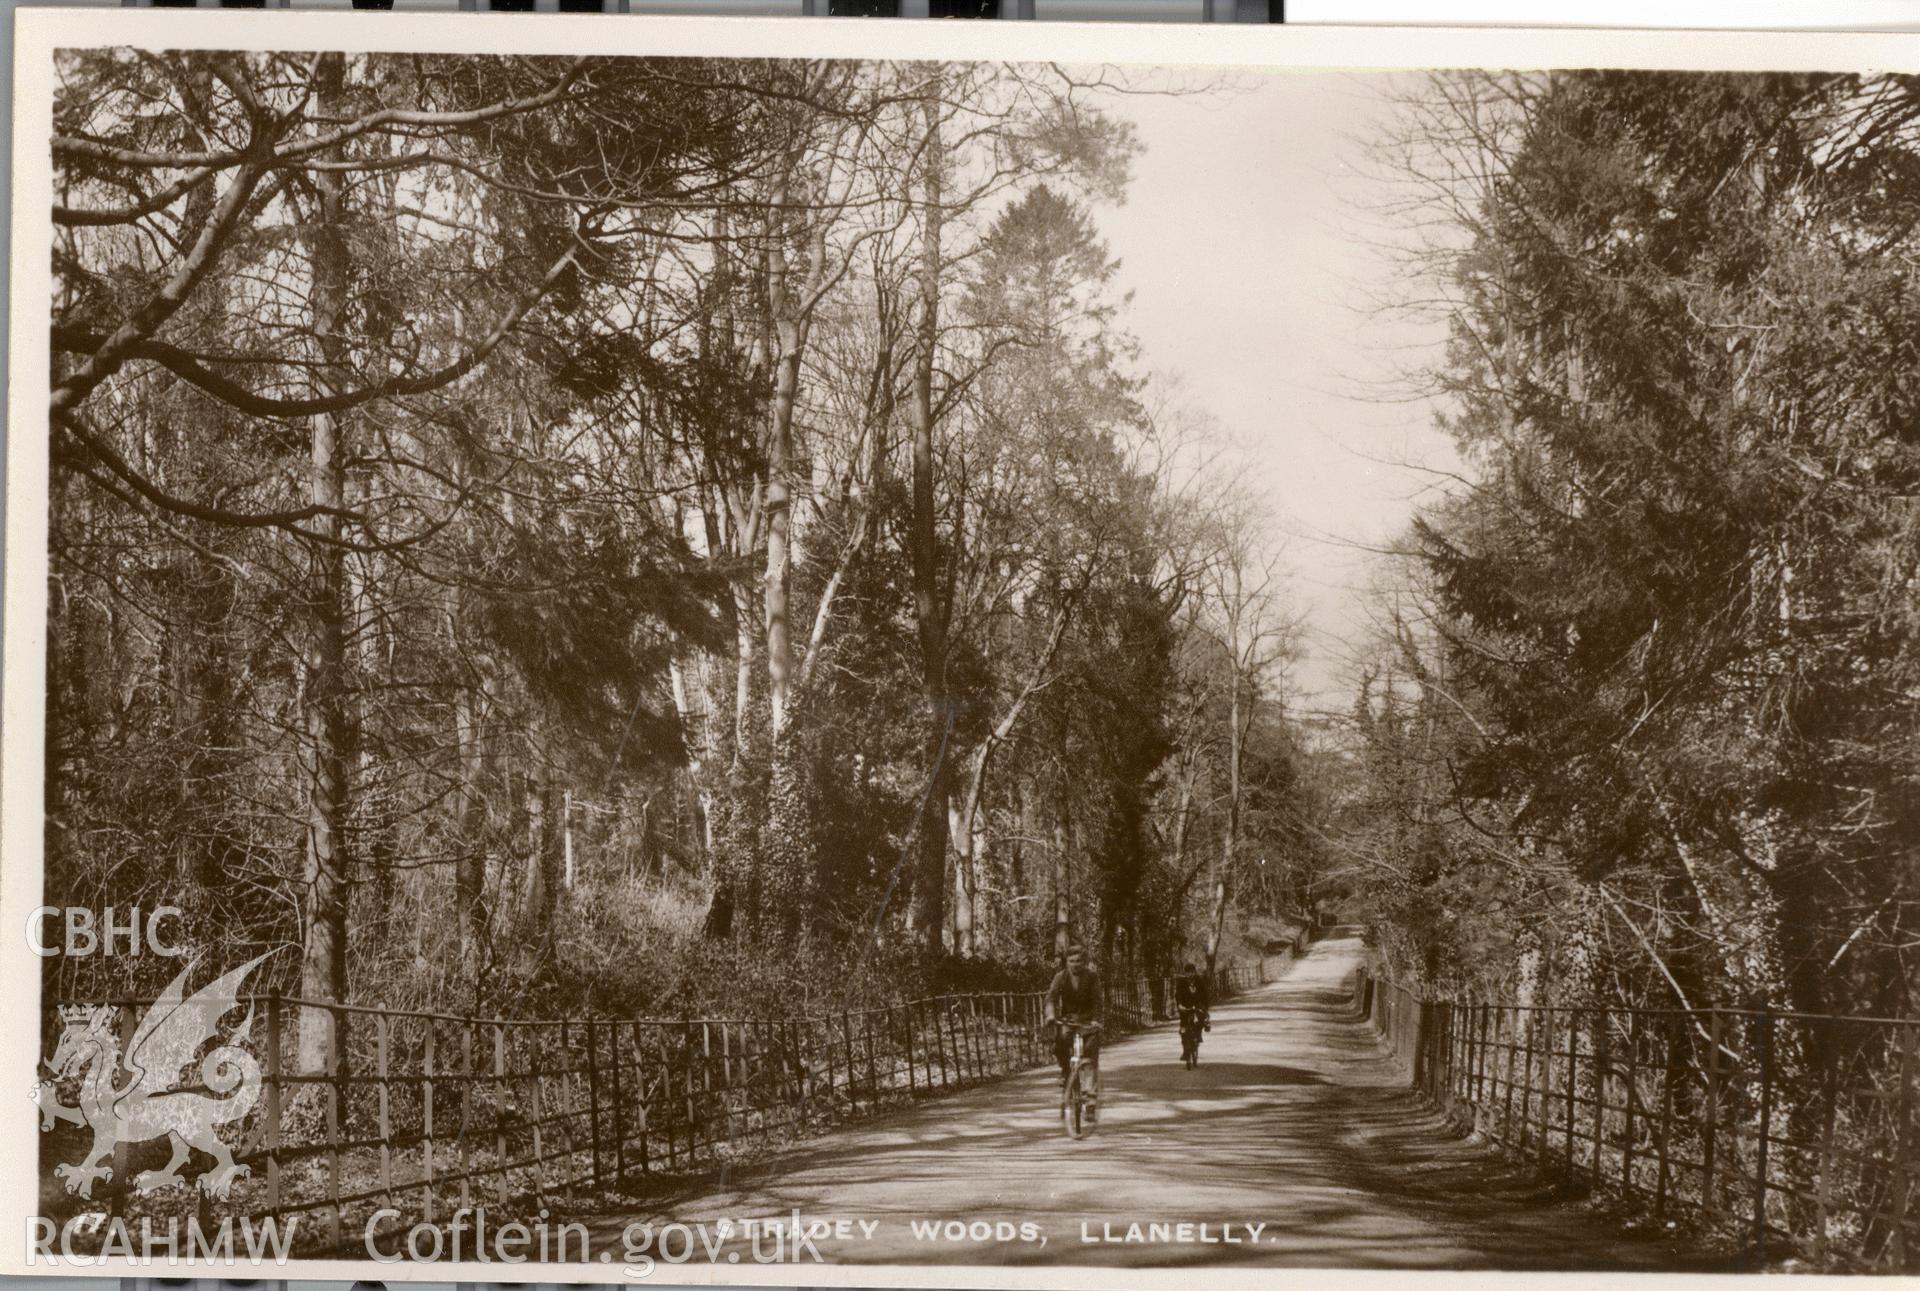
{"points": [[1297, 1120]]}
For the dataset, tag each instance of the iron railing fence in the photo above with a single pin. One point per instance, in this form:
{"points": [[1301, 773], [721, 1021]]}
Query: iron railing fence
{"points": [[421, 1113], [1798, 1130]]}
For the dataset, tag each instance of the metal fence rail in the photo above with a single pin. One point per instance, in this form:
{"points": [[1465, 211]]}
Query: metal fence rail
{"points": [[422, 1113], [1797, 1129]]}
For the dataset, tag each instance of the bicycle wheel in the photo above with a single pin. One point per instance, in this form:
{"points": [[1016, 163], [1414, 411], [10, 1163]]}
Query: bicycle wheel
{"points": [[1073, 1104]]}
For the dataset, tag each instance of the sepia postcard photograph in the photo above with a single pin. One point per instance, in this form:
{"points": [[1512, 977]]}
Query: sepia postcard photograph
{"points": [[791, 653]]}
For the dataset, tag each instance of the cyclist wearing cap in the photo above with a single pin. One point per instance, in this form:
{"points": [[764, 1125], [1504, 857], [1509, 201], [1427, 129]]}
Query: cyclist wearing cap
{"points": [[1191, 998], [1075, 997], [1190, 991]]}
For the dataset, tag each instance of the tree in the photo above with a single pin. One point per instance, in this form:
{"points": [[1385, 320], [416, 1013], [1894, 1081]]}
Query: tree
{"points": [[1243, 620], [1664, 600], [360, 279]]}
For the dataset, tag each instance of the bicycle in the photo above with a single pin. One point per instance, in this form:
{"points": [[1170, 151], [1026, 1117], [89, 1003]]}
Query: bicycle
{"points": [[1192, 1020], [1080, 1096]]}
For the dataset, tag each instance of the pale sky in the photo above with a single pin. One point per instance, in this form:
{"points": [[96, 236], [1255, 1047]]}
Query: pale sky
{"points": [[1249, 265]]}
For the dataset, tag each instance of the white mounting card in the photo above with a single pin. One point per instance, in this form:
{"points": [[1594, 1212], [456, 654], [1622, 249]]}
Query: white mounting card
{"points": [[592, 605]]}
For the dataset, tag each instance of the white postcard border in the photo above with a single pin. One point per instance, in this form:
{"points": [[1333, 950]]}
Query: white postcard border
{"points": [[38, 32]]}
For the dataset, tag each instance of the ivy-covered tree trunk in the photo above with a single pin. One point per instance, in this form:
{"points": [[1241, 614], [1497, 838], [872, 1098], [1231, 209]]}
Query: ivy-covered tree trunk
{"points": [[323, 697], [1230, 832], [961, 837], [1062, 877], [930, 611], [788, 326], [548, 843], [789, 894], [470, 870]]}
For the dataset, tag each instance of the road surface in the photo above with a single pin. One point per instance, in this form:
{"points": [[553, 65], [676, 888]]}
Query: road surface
{"points": [[1295, 1142]]}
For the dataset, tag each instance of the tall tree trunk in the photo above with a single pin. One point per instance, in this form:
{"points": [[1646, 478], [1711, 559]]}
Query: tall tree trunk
{"points": [[549, 845], [968, 819], [732, 836], [1062, 878], [1230, 841], [930, 873], [694, 728], [470, 871], [372, 827], [745, 653], [960, 910], [789, 339], [324, 716], [789, 882], [1017, 848]]}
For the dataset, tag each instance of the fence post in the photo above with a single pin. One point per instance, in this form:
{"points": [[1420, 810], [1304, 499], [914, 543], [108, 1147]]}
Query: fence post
{"points": [[1456, 1051], [1485, 1076], [593, 1098], [1469, 1053], [1526, 1074], [501, 1097], [846, 1039], [1711, 1134], [1459, 1054], [466, 1112], [619, 1111], [664, 1084], [1405, 1019], [1489, 1084], [706, 1072], [1476, 1060], [1633, 1090], [691, 1103], [382, 1026], [429, 1062], [1510, 1028], [913, 1080], [1903, 1141], [1823, 1187], [1676, 1032], [639, 1052], [793, 1072], [334, 1065], [273, 1100], [537, 1097], [1454, 1040], [117, 1195], [1546, 1085], [1424, 1018], [1573, 1077], [1602, 1049], [1765, 1045]]}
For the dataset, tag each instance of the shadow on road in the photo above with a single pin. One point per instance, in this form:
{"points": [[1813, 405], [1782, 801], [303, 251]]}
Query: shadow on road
{"points": [[1297, 1120]]}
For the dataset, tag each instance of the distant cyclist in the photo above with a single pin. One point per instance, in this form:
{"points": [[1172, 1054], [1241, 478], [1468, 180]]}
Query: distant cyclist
{"points": [[1191, 998], [1074, 997]]}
